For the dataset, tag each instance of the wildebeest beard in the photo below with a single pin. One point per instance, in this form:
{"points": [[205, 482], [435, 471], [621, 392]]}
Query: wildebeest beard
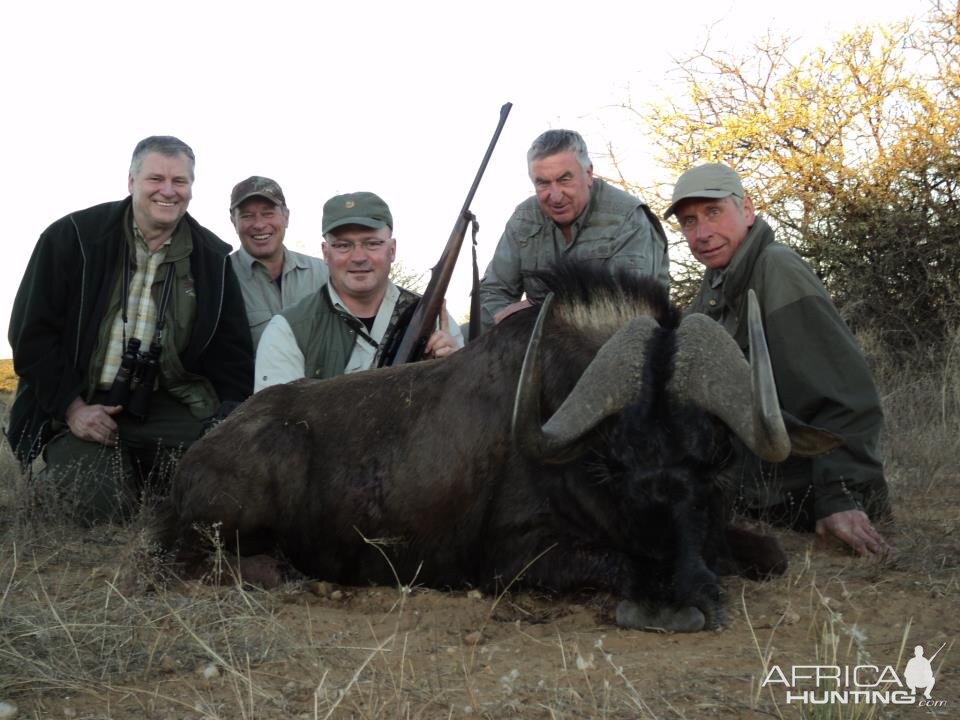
{"points": [[428, 462], [649, 485]]}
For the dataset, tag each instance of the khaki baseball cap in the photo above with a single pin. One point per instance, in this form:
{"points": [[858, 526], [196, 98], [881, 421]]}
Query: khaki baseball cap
{"points": [[257, 186], [713, 180], [359, 208]]}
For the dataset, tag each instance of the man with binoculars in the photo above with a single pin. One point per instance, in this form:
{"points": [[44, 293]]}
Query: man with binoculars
{"points": [[128, 335]]}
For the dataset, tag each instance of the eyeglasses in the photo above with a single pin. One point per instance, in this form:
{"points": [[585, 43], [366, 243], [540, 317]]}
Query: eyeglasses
{"points": [[343, 247]]}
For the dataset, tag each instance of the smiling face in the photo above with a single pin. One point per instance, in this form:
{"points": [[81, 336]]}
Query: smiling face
{"points": [[714, 228], [161, 188], [359, 260], [562, 185], [261, 226]]}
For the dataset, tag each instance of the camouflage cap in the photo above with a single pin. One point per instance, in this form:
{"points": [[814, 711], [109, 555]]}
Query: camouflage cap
{"points": [[256, 186], [713, 180], [359, 208]]}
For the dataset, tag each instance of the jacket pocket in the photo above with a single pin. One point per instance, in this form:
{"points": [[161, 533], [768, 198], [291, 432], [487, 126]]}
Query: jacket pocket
{"points": [[596, 250], [258, 320]]}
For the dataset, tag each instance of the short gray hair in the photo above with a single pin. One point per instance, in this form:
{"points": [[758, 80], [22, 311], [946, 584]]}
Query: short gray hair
{"points": [[165, 145], [556, 141]]}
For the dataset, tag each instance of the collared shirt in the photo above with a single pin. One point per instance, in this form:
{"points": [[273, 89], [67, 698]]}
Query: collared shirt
{"points": [[280, 359], [263, 298], [141, 308]]}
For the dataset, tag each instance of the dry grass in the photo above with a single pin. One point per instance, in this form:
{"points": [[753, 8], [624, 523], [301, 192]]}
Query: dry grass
{"points": [[85, 633], [8, 379]]}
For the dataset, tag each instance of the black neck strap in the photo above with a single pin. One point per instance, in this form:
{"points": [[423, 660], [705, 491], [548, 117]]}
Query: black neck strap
{"points": [[125, 291]]}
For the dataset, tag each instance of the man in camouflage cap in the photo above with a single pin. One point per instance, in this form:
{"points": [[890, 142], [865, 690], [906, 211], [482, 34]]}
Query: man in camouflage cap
{"points": [[822, 377], [347, 324], [272, 276]]}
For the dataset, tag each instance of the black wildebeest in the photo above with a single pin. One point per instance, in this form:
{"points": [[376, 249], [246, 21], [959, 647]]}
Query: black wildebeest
{"points": [[615, 492]]}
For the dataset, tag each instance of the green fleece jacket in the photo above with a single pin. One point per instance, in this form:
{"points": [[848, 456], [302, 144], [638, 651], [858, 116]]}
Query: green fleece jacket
{"points": [[64, 297], [822, 377]]}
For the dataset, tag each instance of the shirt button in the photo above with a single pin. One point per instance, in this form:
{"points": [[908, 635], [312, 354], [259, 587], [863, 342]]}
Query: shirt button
{"points": [[712, 303]]}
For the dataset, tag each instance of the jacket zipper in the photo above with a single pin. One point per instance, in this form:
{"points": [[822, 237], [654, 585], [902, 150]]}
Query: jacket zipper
{"points": [[223, 288]]}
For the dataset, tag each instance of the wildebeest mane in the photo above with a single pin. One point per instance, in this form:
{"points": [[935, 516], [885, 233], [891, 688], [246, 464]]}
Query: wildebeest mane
{"points": [[588, 291], [589, 306]]}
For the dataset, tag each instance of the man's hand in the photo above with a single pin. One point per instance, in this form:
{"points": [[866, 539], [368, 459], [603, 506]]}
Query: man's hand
{"points": [[441, 343], [93, 423], [854, 528], [510, 309]]}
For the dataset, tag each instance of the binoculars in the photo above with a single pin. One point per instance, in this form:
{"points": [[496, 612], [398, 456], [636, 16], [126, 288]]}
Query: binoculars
{"points": [[133, 385]]}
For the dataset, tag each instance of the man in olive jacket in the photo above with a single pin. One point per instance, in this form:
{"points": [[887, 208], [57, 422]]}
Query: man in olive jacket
{"points": [[822, 377], [142, 269], [574, 216]]}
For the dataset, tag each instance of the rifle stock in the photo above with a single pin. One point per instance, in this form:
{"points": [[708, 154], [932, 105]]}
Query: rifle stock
{"points": [[420, 327]]}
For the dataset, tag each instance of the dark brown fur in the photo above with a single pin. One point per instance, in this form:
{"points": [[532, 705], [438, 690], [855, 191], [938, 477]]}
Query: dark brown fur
{"points": [[419, 460]]}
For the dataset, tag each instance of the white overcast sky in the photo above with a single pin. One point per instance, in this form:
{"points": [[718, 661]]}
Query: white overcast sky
{"points": [[399, 98]]}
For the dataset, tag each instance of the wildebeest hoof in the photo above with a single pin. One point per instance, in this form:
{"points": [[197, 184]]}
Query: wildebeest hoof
{"points": [[637, 616]]}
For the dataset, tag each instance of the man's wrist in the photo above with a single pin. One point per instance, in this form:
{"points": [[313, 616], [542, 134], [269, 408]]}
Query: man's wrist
{"points": [[77, 404]]}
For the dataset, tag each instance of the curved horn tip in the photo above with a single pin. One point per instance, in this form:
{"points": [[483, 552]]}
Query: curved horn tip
{"points": [[526, 407]]}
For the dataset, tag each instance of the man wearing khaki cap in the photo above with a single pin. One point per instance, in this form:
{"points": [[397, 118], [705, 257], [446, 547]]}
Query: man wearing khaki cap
{"points": [[822, 377], [346, 325], [272, 277]]}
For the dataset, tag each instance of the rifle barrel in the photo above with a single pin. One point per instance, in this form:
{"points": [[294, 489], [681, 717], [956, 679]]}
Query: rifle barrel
{"points": [[504, 111], [418, 330]]}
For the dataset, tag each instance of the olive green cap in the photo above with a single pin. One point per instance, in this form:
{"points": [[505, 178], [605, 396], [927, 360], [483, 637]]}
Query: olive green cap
{"points": [[359, 208], [713, 180], [256, 186]]}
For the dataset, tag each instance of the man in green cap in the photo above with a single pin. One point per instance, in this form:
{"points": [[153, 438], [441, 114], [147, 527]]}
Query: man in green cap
{"points": [[346, 325], [575, 216], [822, 377], [271, 275]]}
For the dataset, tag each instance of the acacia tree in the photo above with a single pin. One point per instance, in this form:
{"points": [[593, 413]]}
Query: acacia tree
{"points": [[406, 277], [853, 153]]}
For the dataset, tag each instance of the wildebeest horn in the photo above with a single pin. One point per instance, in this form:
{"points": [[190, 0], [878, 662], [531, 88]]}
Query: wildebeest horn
{"points": [[709, 370], [593, 398]]}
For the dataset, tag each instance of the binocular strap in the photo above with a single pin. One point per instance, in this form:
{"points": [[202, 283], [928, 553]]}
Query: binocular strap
{"points": [[125, 292]]}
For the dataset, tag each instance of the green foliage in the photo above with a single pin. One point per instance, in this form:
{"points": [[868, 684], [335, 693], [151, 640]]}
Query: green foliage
{"points": [[852, 153]]}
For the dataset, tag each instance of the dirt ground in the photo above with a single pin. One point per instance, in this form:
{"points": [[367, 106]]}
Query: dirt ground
{"points": [[78, 641]]}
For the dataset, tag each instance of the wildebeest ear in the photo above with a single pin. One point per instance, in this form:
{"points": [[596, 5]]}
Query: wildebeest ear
{"points": [[807, 440]]}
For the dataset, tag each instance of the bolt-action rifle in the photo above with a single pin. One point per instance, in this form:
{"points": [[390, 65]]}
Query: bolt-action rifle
{"points": [[418, 330]]}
